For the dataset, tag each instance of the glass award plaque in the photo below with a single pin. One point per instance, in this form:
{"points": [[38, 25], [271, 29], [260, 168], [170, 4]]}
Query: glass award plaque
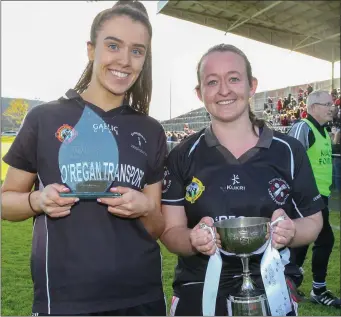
{"points": [[88, 157]]}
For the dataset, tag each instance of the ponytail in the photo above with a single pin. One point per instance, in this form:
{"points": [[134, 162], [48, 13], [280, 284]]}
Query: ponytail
{"points": [[256, 122], [85, 79]]}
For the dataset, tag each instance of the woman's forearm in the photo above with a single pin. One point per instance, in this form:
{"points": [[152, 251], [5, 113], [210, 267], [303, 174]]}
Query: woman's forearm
{"points": [[154, 222], [15, 206], [307, 230], [177, 240]]}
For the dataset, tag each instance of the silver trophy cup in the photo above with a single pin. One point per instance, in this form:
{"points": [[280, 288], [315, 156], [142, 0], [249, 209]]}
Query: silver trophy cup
{"points": [[243, 236]]}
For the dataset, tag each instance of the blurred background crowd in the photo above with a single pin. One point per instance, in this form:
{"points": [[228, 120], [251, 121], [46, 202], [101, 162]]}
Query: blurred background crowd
{"points": [[282, 112]]}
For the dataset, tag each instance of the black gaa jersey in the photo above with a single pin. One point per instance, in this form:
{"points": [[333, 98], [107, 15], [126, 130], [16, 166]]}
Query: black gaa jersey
{"points": [[205, 178], [91, 260]]}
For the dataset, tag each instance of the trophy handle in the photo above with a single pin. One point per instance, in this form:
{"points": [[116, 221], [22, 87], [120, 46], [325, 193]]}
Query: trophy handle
{"points": [[271, 224], [210, 229], [276, 221]]}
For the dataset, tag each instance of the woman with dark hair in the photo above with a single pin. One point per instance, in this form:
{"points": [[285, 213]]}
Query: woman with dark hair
{"points": [[236, 167], [96, 257]]}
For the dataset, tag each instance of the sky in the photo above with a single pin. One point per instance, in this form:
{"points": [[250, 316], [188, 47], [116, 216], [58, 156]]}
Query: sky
{"points": [[43, 54]]}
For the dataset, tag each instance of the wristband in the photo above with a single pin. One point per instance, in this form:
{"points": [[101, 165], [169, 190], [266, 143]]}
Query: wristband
{"points": [[29, 202]]}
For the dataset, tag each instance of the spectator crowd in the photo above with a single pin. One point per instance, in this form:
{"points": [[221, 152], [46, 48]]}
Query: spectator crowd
{"points": [[283, 113], [289, 110], [176, 136]]}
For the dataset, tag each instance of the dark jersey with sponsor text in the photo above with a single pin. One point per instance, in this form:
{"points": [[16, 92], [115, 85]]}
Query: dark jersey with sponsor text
{"points": [[91, 260], [205, 178]]}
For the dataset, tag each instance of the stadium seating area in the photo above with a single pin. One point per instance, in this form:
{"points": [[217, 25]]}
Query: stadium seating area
{"points": [[277, 108]]}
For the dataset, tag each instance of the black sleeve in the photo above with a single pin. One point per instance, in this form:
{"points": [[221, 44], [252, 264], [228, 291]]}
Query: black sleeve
{"points": [[306, 197], [311, 138], [156, 161], [23, 152], [173, 189]]}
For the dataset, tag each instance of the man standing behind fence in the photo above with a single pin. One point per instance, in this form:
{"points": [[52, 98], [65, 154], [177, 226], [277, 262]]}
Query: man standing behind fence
{"points": [[315, 138]]}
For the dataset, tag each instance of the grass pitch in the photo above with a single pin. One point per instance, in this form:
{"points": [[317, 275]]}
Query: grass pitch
{"points": [[16, 295]]}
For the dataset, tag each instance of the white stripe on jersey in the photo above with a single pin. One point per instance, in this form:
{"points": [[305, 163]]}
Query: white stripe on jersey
{"points": [[292, 168], [192, 283], [292, 163], [172, 200], [298, 211], [46, 268], [195, 144], [41, 187]]}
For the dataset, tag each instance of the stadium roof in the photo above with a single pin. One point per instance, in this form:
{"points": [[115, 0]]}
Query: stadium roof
{"points": [[308, 27]]}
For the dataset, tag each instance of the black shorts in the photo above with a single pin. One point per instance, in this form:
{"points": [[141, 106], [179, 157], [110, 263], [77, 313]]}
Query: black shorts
{"points": [[157, 308], [188, 302]]}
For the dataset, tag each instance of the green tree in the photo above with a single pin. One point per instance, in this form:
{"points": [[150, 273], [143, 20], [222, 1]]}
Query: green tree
{"points": [[16, 111]]}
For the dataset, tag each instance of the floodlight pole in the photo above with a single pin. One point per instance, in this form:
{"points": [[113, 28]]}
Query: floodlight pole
{"points": [[170, 98], [333, 63]]}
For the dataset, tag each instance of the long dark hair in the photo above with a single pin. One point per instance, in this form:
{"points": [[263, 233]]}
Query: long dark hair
{"points": [[230, 48], [140, 93]]}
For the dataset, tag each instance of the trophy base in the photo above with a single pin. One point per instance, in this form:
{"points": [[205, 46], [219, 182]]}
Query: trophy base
{"points": [[90, 196], [248, 306]]}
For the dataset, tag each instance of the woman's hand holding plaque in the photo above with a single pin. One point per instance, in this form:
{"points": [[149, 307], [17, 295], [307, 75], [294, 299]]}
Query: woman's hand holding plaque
{"points": [[132, 203]]}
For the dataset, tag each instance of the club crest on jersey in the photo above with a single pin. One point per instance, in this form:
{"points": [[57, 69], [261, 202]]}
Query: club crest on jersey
{"points": [[166, 183], [194, 190], [139, 144], [66, 133], [279, 191]]}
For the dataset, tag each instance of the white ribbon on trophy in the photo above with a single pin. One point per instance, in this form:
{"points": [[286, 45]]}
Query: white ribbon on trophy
{"points": [[272, 272], [212, 277]]}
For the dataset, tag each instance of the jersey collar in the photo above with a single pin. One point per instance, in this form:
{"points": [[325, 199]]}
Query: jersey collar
{"points": [[125, 108], [264, 141], [73, 94]]}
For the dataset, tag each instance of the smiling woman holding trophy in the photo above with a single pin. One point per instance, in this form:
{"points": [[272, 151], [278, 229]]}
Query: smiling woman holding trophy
{"points": [[99, 161], [235, 195]]}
